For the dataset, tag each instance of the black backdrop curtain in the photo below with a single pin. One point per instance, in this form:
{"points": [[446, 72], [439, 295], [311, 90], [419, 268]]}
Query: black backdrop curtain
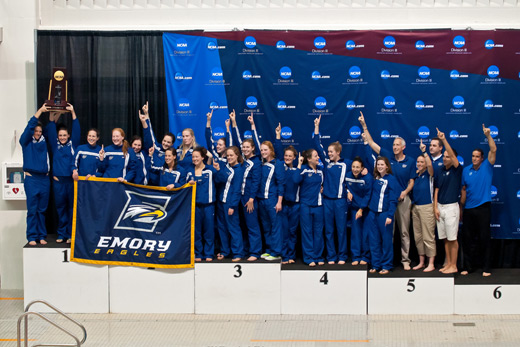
{"points": [[112, 74]]}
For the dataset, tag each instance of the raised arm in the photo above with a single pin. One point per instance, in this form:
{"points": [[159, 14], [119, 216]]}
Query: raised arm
{"points": [[429, 165], [235, 133], [375, 147], [76, 130], [253, 129], [492, 155], [317, 142], [278, 147], [448, 148]]}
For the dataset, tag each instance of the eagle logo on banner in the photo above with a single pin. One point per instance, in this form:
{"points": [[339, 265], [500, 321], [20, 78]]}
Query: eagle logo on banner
{"points": [[142, 212]]}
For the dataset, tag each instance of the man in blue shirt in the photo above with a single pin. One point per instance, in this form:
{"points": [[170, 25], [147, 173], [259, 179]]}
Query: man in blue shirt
{"points": [[476, 198], [403, 168], [446, 204]]}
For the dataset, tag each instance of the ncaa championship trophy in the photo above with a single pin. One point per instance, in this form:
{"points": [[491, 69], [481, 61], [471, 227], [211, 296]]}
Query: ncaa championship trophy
{"points": [[57, 100]]}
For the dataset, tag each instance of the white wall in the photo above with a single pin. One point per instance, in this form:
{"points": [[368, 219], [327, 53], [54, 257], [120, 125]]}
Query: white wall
{"points": [[19, 19]]}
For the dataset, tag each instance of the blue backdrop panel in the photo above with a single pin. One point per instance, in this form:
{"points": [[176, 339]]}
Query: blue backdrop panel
{"points": [[406, 83]]}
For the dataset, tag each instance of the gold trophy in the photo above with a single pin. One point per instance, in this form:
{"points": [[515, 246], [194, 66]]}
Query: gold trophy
{"points": [[58, 96]]}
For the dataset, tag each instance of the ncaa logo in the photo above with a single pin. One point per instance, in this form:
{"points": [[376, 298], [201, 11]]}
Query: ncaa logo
{"points": [[142, 212], [488, 104], [489, 44], [458, 102], [286, 133], [454, 134], [494, 191], [350, 45], [179, 136], [460, 159], [424, 72], [423, 132], [251, 102], [281, 45], [281, 105], [213, 105], [389, 102], [519, 134], [316, 75], [389, 42], [250, 42], [385, 74], [319, 42], [354, 72], [459, 41], [247, 75], [493, 71], [217, 74], [454, 74], [183, 104], [248, 134], [494, 131], [285, 72], [179, 76], [419, 104], [355, 132], [320, 102], [351, 104], [518, 194], [181, 45], [385, 134], [212, 45], [419, 45], [218, 132]]}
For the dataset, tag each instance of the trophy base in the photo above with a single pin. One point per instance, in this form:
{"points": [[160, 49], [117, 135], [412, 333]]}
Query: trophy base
{"points": [[56, 107]]}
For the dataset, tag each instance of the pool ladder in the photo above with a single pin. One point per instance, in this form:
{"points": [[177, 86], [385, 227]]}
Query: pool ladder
{"points": [[26, 315]]}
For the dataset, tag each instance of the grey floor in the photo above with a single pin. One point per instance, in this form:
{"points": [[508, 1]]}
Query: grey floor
{"points": [[265, 330]]}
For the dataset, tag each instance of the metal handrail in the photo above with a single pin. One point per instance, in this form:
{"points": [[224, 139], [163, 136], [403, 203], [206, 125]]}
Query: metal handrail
{"points": [[27, 313]]}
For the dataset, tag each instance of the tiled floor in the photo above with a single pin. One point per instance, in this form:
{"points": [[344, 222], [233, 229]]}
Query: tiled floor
{"points": [[158, 330]]}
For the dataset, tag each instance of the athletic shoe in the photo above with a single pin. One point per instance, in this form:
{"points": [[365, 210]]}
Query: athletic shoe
{"points": [[272, 258], [265, 255]]}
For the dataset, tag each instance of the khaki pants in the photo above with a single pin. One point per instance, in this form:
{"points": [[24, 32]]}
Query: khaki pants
{"points": [[402, 220], [424, 229]]}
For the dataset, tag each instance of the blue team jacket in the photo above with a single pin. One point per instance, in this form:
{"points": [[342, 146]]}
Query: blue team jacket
{"points": [[335, 173], [86, 159], [360, 187], [63, 155], [272, 180], [385, 192], [205, 184], [116, 164], [310, 183], [35, 155], [231, 177]]}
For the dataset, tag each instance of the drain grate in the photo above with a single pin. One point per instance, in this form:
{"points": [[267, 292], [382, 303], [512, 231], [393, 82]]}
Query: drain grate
{"points": [[469, 324]]}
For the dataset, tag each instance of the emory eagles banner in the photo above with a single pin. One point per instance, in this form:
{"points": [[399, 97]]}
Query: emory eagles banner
{"points": [[127, 224]]}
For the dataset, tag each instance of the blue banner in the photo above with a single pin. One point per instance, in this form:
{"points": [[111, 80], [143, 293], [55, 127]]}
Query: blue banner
{"points": [[126, 224], [407, 83]]}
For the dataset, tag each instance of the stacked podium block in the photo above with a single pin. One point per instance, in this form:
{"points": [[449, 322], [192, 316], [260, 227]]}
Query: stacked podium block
{"points": [[260, 287]]}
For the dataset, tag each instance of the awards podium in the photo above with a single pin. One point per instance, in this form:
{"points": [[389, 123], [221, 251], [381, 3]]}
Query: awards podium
{"points": [[261, 287]]}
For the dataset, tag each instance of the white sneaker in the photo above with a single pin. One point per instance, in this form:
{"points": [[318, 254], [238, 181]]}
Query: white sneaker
{"points": [[265, 255], [272, 258]]}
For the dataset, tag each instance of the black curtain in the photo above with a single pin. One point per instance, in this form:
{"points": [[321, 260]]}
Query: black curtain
{"points": [[112, 74]]}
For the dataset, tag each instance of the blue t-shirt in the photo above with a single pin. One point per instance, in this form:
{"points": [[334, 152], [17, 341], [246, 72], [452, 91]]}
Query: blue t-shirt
{"points": [[403, 170], [448, 182], [437, 165], [478, 184], [422, 192]]}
